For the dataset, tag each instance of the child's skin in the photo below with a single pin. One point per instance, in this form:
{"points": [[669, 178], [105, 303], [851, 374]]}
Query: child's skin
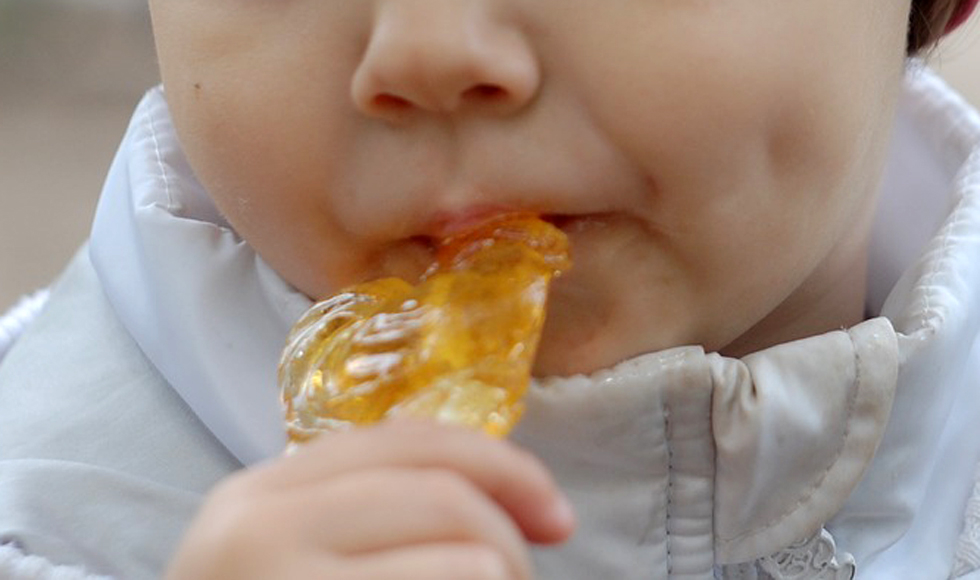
{"points": [[400, 501], [713, 161]]}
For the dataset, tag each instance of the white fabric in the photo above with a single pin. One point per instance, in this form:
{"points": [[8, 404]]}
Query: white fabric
{"points": [[16, 564], [219, 354], [14, 321], [677, 461], [101, 462], [909, 506], [968, 548]]}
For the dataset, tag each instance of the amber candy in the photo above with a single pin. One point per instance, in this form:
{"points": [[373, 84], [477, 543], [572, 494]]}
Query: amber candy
{"points": [[457, 347]]}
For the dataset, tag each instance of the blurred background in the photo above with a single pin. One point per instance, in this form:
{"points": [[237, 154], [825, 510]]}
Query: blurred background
{"points": [[71, 72]]}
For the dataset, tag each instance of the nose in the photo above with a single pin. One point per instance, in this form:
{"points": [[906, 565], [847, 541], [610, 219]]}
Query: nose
{"points": [[443, 56]]}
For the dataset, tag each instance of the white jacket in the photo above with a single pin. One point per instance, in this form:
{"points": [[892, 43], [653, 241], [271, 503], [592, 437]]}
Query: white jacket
{"points": [[142, 383]]}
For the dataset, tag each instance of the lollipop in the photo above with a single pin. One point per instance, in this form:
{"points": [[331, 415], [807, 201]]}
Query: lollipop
{"points": [[457, 347]]}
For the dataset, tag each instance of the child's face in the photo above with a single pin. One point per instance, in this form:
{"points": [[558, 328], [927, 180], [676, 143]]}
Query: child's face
{"points": [[713, 161]]}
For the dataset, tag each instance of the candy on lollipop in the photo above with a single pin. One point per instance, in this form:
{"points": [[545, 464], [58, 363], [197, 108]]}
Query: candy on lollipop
{"points": [[458, 347]]}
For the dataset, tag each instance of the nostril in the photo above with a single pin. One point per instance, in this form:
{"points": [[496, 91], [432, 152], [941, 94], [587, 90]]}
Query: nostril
{"points": [[386, 101], [485, 91]]}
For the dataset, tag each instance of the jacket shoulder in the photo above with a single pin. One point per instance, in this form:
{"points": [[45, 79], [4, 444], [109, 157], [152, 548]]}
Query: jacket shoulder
{"points": [[92, 435]]}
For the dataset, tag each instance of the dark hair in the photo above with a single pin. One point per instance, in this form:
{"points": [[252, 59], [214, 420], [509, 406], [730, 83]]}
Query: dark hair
{"points": [[927, 22]]}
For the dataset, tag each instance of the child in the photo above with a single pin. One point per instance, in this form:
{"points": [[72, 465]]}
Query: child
{"points": [[717, 167]]}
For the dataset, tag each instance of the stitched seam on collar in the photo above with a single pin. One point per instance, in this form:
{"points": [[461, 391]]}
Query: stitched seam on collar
{"points": [[159, 159]]}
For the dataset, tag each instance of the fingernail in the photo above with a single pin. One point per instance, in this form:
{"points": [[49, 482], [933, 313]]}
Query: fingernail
{"points": [[563, 513]]}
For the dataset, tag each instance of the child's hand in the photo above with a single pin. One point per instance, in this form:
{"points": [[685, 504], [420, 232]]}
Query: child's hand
{"points": [[402, 500]]}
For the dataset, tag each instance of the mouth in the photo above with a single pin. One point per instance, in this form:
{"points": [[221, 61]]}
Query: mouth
{"points": [[410, 257], [448, 224], [562, 221]]}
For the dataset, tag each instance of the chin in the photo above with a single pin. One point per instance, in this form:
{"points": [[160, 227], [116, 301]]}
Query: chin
{"points": [[580, 349], [593, 323]]}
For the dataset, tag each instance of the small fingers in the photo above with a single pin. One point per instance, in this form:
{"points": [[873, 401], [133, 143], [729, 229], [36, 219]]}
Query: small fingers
{"points": [[431, 561], [385, 509], [512, 477]]}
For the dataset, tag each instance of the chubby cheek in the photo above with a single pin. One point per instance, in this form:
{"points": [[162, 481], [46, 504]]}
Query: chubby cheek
{"points": [[798, 183], [757, 166], [282, 191], [269, 194]]}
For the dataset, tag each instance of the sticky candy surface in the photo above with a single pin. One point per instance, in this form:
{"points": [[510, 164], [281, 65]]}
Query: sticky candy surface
{"points": [[457, 347]]}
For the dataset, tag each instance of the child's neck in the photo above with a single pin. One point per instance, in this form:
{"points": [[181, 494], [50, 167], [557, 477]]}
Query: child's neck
{"points": [[832, 298]]}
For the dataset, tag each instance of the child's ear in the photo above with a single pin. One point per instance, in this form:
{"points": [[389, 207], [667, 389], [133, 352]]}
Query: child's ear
{"points": [[930, 20], [961, 14]]}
